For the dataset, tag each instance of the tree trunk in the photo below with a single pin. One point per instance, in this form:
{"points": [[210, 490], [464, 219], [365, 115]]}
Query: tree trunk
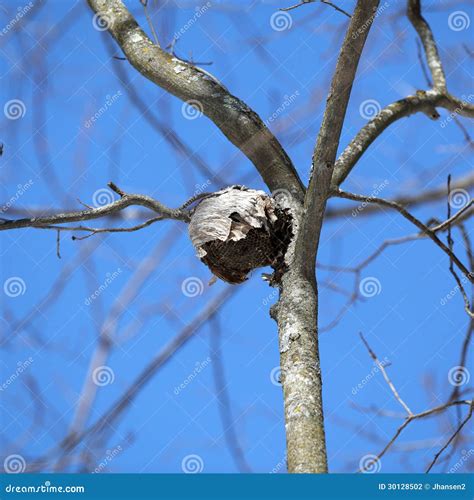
{"points": [[301, 374], [296, 316]]}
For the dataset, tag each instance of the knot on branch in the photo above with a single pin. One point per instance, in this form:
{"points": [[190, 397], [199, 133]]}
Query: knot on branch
{"points": [[236, 230]]}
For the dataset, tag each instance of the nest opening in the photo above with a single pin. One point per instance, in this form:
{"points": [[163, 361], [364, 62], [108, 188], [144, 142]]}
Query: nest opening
{"points": [[237, 230]]}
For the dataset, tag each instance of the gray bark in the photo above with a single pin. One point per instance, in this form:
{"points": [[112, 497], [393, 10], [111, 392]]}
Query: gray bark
{"points": [[239, 123], [296, 312]]}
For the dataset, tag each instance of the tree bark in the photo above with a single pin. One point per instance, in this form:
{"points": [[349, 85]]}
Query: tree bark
{"points": [[301, 379], [297, 309], [238, 122]]}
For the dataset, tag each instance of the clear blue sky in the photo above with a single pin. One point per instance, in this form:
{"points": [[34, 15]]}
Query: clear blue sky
{"points": [[61, 70]]}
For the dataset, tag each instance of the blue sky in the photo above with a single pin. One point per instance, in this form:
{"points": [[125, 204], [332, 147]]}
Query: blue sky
{"points": [[59, 68]]}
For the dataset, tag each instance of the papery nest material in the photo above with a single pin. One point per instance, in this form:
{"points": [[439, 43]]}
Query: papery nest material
{"points": [[237, 229]]}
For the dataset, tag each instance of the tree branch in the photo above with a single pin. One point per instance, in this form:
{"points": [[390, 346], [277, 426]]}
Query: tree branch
{"points": [[424, 101], [452, 437], [408, 420], [296, 310], [240, 124], [125, 200], [328, 138], [425, 229], [426, 36], [407, 200], [304, 2], [385, 376]]}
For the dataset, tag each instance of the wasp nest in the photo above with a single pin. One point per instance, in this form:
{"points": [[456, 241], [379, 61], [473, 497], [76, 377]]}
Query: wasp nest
{"points": [[237, 230]]}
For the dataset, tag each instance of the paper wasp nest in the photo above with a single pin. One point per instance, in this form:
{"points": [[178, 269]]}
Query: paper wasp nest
{"points": [[236, 230]]}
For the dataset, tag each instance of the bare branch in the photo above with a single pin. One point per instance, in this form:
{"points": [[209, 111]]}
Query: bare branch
{"points": [[240, 124], [385, 376], [424, 101], [109, 417], [453, 436], [417, 416], [126, 200], [425, 229], [96, 230], [429, 44], [407, 200], [467, 305], [223, 397], [296, 310], [161, 125], [328, 138], [303, 2]]}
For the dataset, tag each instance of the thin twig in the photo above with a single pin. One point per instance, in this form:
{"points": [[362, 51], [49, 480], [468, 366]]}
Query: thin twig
{"points": [[58, 244], [385, 376], [222, 394], [126, 200], [150, 22], [425, 229], [453, 436], [303, 2], [417, 416], [467, 305]]}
